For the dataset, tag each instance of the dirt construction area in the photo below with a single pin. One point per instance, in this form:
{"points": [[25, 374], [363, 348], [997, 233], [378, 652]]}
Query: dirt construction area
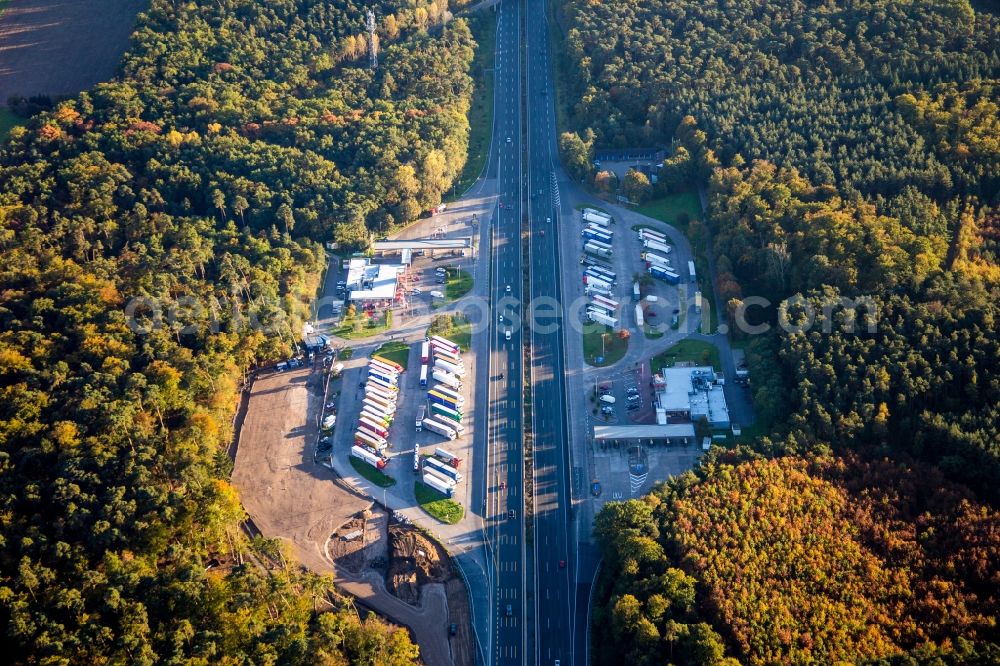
{"points": [[60, 47], [287, 494], [411, 565], [391, 566]]}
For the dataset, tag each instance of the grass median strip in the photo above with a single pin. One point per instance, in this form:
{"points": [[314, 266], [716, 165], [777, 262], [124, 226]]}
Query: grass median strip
{"points": [[602, 346], [437, 505], [688, 351]]}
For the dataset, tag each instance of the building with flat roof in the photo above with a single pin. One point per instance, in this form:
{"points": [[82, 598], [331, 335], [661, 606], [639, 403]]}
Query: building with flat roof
{"points": [[690, 393], [378, 283], [673, 432]]}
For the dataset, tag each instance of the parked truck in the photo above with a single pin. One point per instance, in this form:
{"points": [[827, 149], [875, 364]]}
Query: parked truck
{"points": [[593, 289], [421, 415], [425, 351], [369, 439], [446, 378], [601, 274], [382, 385], [636, 294], [603, 301], [373, 426], [595, 235], [437, 398], [653, 259], [664, 274], [650, 234], [372, 459], [639, 319], [597, 283], [447, 356], [443, 468], [377, 415], [437, 339], [597, 248], [589, 215], [603, 319], [437, 484], [448, 457], [390, 363], [446, 412], [436, 426], [656, 246], [451, 393], [379, 404], [372, 391], [457, 369]]}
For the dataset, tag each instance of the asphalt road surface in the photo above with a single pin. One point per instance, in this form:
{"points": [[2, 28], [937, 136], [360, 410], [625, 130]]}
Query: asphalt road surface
{"points": [[504, 481], [554, 597]]}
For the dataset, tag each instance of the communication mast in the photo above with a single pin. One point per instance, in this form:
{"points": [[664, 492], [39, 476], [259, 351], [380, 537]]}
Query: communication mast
{"points": [[372, 40]]}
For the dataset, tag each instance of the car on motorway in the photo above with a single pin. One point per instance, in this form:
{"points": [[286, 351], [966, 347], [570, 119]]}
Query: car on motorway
{"points": [[510, 610], [508, 139], [452, 629], [507, 334], [508, 289], [501, 317], [503, 485], [511, 514], [562, 564], [548, 220], [595, 489]]}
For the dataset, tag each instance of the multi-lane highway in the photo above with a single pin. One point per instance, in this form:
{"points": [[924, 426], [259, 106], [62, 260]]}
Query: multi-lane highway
{"points": [[553, 566], [504, 478], [531, 625]]}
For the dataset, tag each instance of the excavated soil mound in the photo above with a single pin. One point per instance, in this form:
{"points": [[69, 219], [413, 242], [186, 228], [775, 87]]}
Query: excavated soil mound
{"points": [[414, 561]]}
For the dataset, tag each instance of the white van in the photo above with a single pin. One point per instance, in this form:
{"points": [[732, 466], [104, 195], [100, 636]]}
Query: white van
{"points": [[437, 294], [608, 399]]}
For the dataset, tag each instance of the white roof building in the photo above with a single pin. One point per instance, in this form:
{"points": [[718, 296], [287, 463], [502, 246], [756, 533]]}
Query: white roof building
{"points": [[691, 392], [378, 283]]}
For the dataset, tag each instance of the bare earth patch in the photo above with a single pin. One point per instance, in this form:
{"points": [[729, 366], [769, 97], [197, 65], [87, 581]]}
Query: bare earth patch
{"points": [[61, 47], [284, 490]]}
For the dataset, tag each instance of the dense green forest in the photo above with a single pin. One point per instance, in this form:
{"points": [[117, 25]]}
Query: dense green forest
{"points": [[239, 135], [851, 156]]}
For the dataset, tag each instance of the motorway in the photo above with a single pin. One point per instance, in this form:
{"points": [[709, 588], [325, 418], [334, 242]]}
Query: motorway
{"points": [[536, 627], [554, 616], [504, 517]]}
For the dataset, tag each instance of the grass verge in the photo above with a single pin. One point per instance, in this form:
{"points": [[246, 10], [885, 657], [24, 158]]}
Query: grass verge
{"points": [[672, 208], [483, 25], [600, 342], [395, 351], [380, 479], [458, 285], [437, 505], [360, 326], [694, 351], [454, 327]]}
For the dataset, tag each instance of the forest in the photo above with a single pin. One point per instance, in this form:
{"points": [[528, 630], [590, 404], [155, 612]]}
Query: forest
{"points": [[850, 152], [820, 559], [199, 184]]}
